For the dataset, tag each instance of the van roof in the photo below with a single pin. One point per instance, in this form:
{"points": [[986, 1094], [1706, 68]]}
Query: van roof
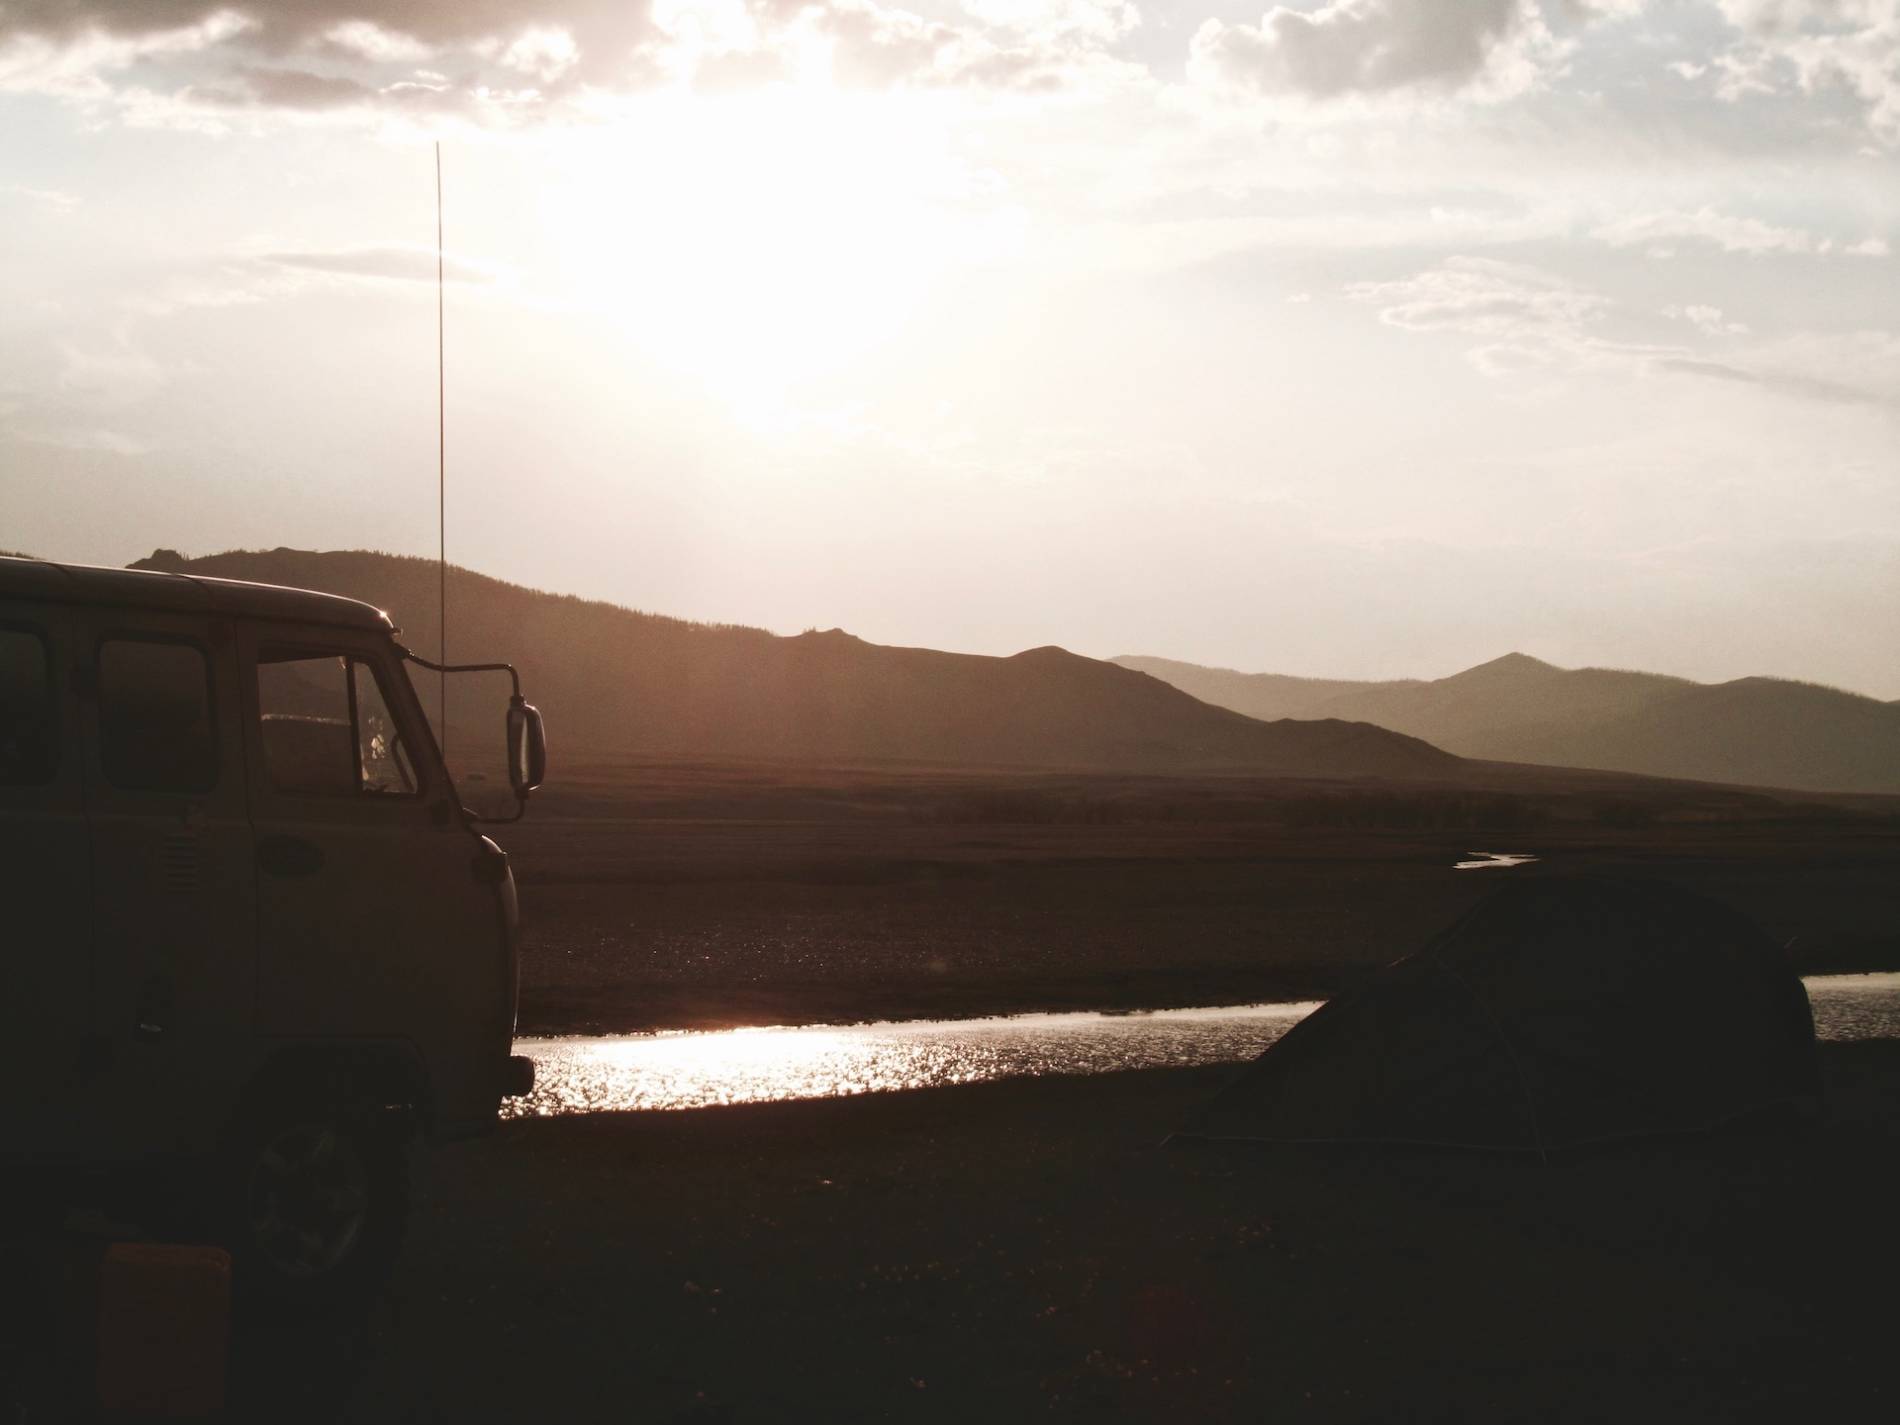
{"points": [[187, 593]]}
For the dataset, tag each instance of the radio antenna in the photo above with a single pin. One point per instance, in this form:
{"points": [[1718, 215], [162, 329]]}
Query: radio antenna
{"points": [[441, 475]]}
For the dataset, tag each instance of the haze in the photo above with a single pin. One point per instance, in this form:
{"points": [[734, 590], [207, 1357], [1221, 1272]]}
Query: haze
{"points": [[1366, 339]]}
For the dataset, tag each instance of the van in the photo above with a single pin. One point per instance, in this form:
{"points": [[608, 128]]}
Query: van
{"points": [[250, 938]]}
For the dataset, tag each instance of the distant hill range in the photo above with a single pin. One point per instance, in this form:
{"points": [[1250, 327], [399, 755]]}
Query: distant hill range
{"points": [[1767, 732], [614, 681]]}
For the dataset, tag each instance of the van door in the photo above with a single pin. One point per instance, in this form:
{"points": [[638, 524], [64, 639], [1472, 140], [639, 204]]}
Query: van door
{"points": [[45, 883], [374, 923], [174, 904]]}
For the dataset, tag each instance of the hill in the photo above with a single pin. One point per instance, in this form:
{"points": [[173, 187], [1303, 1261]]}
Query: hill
{"points": [[615, 681], [1766, 732]]}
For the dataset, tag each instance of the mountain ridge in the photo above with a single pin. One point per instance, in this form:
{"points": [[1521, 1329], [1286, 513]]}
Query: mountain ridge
{"points": [[1755, 730], [614, 680]]}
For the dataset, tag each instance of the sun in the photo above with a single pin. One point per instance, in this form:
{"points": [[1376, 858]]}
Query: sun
{"points": [[760, 244]]}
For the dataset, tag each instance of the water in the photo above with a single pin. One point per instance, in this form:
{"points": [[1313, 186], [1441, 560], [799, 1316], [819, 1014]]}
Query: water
{"points": [[696, 1070], [693, 1070], [1493, 860], [1855, 1006]]}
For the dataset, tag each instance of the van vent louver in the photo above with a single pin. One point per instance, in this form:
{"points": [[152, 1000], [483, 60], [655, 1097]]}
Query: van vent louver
{"points": [[178, 858]]}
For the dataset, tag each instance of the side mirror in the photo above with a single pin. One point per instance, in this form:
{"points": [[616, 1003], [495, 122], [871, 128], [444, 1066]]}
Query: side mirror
{"points": [[527, 747]]}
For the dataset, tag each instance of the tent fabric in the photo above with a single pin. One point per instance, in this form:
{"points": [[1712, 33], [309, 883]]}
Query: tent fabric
{"points": [[1561, 1011]]}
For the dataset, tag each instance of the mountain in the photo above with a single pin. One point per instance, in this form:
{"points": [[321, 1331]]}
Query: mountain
{"points": [[614, 681], [1765, 732]]}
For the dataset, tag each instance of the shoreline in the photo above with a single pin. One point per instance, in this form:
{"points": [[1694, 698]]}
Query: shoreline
{"points": [[623, 1010], [614, 1009]]}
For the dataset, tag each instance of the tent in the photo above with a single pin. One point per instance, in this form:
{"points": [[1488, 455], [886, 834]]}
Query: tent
{"points": [[1560, 1011]]}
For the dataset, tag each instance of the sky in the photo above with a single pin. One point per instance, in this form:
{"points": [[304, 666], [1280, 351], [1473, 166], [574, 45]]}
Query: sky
{"points": [[1365, 338]]}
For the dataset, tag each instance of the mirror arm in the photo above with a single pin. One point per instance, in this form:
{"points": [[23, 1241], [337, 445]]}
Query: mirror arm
{"points": [[508, 668], [515, 699]]}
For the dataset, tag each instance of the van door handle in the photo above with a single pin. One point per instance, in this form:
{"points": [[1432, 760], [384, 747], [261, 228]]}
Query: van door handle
{"points": [[288, 856]]}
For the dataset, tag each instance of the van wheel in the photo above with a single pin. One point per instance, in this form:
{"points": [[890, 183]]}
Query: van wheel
{"points": [[318, 1203]]}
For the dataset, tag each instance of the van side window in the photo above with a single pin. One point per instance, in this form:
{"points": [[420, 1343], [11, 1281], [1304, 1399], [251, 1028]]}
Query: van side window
{"points": [[26, 709], [327, 729], [155, 732], [305, 706]]}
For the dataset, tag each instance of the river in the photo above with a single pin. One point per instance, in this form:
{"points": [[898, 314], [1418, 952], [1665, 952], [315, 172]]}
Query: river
{"points": [[689, 1069]]}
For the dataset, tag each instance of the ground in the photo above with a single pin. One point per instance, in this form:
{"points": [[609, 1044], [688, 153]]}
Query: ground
{"points": [[667, 897], [1034, 1250]]}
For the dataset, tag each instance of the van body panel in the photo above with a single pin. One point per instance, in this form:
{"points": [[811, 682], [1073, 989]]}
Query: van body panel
{"points": [[46, 889], [372, 921], [175, 913], [185, 925], [182, 593]]}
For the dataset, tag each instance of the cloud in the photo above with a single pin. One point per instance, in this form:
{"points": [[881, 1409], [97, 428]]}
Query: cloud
{"points": [[1094, 19], [1021, 46], [1811, 45], [1708, 320], [1376, 47], [247, 279], [47, 48], [401, 30], [1527, 318], [1581, 11], [1855, 367], [114, 371], [367, 40], [94, 438], [545, 53], [293, 89], [395, 262], [1813, 388], [187, 62], [48, 199], [1706, 225], [191, 63]]}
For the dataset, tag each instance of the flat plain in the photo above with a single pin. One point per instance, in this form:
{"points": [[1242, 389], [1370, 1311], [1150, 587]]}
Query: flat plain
{"points": [[707, 896]]}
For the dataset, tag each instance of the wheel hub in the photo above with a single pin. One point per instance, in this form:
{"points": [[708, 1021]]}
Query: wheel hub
{"points": [[308, 1199]]}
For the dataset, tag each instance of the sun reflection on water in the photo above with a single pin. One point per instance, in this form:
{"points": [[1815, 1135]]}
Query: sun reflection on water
{"points": [[1493, 860], [685, 1069], [691, 1070]]}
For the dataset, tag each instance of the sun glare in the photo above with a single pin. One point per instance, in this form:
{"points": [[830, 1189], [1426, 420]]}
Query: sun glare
{"points": [[758, 244]]}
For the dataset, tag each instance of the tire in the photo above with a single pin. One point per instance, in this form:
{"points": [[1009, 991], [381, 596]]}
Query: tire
{"points": [[314, 1205]]}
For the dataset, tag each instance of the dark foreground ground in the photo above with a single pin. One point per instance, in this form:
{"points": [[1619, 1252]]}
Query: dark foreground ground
{"points": [[1029, 1251], [706, 896]]}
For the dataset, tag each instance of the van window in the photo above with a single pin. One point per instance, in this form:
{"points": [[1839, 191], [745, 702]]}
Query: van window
{"points": [[327, 729], [26, 709], [305, 705], [379, 746], [155, 732]]}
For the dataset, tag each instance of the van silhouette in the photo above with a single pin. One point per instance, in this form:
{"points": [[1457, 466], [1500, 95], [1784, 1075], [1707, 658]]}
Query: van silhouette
{"points": [[250, 938]]}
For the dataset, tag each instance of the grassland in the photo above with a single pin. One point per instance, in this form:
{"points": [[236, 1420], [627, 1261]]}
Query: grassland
{"points": [[665, 896]]}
